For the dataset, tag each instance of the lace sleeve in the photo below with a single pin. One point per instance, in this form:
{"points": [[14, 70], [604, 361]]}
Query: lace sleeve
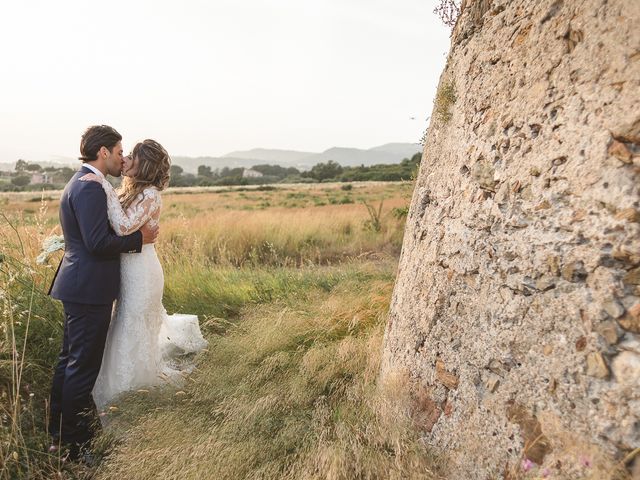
{"points": [[141, 210]]}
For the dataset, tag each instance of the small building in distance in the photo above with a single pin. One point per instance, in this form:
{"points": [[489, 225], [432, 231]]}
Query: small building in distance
{"points": [[40, 177], [250, 173]]}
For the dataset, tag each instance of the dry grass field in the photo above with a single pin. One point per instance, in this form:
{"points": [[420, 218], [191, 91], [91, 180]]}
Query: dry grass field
{"points": [[292, 286]]}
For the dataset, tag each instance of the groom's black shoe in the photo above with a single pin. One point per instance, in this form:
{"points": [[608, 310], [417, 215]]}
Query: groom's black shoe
{"points": [[82, 455], [89, 459], [68, 452]]}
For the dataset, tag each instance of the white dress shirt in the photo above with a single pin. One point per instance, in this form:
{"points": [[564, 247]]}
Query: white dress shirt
{"points": [[93, 169]]}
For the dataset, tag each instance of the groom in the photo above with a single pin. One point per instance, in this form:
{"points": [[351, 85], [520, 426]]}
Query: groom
{"points": [[87, 283]]}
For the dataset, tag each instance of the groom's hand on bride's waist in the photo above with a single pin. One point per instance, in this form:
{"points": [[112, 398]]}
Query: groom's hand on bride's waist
{"points": [[149, 233]]}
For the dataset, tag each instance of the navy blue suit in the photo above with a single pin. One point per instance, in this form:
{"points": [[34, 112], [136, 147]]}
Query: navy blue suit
{"points": [[87, 283]]}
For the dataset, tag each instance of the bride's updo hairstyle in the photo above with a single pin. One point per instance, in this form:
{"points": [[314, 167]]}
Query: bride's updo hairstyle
{"points": [[153, 171]]}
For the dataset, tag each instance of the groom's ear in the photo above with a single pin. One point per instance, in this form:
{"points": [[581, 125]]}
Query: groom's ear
{"points": [[103, 152]]}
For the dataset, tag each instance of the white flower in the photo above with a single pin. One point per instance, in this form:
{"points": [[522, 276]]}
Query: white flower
{"points": [[49, 245], [53, 243]]}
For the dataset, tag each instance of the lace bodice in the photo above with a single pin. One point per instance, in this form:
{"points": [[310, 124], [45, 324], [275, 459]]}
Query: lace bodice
{"points": [[145, 208]]}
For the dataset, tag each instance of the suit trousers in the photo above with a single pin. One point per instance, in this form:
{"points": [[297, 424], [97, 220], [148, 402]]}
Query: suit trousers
{"points": [[72, 411]]}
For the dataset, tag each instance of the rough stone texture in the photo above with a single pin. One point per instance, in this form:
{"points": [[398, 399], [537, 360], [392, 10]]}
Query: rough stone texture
{"points": [[516, 301]]}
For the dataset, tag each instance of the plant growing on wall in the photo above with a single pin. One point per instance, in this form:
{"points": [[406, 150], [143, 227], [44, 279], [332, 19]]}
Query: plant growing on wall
{"points": [[448, 11]]}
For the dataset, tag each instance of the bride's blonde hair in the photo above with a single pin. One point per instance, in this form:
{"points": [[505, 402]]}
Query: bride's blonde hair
{"points": [[153, 170]]}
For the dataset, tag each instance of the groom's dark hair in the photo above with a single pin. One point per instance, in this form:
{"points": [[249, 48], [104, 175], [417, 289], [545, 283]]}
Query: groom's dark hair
{"points": [[96, 137]]}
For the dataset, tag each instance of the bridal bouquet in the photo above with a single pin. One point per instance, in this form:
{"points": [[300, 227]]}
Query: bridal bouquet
{"points": [[49, 245]]}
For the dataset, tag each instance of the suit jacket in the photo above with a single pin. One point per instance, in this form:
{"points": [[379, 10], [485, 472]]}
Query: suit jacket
{"points": [[90, 269]]}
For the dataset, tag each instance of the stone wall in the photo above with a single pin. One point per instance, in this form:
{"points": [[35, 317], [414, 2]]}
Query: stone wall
{"points": [[516, 311]]}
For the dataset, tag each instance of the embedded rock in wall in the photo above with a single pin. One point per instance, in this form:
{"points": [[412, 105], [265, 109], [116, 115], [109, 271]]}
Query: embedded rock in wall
{"points": [[517, 302]]}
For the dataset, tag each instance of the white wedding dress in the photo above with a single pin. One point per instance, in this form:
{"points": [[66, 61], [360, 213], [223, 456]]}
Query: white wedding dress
{"points": [[145, 346]]}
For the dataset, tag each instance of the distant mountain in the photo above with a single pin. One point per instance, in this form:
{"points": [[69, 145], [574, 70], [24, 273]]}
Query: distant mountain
{"points": [[270, 155], [388, 154], [354, 156], [191, 164], [405, 149]]}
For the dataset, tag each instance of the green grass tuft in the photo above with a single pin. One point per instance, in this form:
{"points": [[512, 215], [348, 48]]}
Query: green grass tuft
{"points": [[445, 98]]}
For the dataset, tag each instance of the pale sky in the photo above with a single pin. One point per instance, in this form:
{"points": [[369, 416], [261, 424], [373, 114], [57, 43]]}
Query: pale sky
{"points": [[210, 77]]}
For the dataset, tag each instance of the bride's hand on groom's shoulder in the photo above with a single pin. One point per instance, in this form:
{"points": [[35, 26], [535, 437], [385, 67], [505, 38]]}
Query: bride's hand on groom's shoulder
{"points": [[91, 177]]}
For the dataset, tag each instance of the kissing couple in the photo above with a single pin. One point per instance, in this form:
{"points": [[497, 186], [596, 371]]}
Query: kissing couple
{"points": [[110, 256]]}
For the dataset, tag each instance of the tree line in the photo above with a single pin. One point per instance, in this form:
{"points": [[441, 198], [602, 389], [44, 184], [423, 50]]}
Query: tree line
{"points": [[21, 179], [329, 171], [56, 177]]}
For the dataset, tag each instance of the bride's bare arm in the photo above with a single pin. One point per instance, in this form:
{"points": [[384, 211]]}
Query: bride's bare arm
{"points": [[127, 221]]}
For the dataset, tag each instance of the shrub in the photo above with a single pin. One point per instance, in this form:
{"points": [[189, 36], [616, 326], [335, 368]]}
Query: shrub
{"points": [[445, 98]]}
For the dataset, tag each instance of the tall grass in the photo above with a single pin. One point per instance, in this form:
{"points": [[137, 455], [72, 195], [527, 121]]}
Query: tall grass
{"points": [[289, 392], [280, 237], [30, 330], [292, 301]]}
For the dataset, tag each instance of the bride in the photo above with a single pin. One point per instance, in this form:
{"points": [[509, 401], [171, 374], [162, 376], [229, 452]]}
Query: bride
{"points": [[144, 343]]}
